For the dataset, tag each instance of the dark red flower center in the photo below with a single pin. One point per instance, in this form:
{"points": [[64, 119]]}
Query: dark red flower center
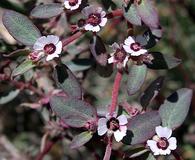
{"points": [[113, 124], [135, 46], [163, 143], [73, 2], [94, 19], [120, 55], [49, 48]]}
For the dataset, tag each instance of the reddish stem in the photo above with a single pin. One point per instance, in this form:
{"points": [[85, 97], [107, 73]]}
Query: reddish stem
{"points": [[108, 149], [47, 148], [115, 13], [71, 38], [176, 155], [115, 92]]}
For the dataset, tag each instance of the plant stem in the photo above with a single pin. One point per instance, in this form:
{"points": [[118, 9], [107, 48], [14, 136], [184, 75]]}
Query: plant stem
{"points": [[47, 148], [108, 149], [115, 92], [115, 13], [71, 38], [176, 155]]}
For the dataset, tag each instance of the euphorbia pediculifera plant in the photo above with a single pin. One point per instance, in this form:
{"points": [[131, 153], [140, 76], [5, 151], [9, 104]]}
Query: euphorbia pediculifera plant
{"points": [[131, 58]]}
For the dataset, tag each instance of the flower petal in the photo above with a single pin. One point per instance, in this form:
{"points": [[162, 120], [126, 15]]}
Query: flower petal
{"points": [[172, 143], [122, 119], [123, 129], [111, 60], [88, 27], [115, 46], [75, 7], [51, 56], [140, 52], [96, 29], [58, 48], [98, 9], [66, 4], [129, 40], [153, 146], [125, 61], [52, 39], [163, 132], [164, 152], [128, 49], [79, 2], [102, 128], [103, 22], [118, 135], [103, 14], [40, 43]]}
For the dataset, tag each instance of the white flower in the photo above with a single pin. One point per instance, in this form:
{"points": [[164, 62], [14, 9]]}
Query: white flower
{"points": [[72, 4], [162, 143], [119, 56], [49, 45], [113, 125], [133, 48], [95, 18]]}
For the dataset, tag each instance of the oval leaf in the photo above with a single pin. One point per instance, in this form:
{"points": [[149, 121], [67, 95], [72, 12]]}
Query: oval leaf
{"points": [[161, 61], [109, 4], [142, 127], [81, 139], [98, 50], [72, 111], [149, 38], [130, 13], [9, 97], [104, 71], [136, 77], [23, 67], [47, 10], [151, 157], [175, 108], [79, 64], [148, 13], [151, 92], [20, 27], [19, 52], [66, 80]]}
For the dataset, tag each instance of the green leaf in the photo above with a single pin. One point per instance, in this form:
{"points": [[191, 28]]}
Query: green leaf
{"points": [[19, 52], [138, 153], [81, 139], [104, 71], [175, 108], [98, 50], [148, 13], [11, 95], [151, 37], [109, 3], [20, 27], [151, 157], [79, 64], [66, 80], [161, 61], [130, 13], [151, 92], [47, 10], [23, 67], [141, 127], [136, 77], [72, 111]]}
